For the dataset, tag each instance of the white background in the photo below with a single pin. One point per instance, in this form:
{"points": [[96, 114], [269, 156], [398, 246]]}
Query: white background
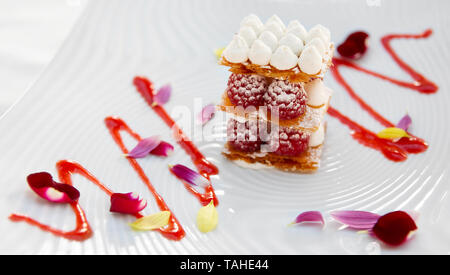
{"points": [[30, 34]]}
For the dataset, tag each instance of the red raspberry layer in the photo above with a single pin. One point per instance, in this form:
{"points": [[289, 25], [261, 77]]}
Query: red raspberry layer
{"points": [[288, 141], [246, 90], [288, 98], [243, 136]]}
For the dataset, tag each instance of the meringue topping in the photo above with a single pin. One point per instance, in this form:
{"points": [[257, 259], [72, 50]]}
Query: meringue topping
{"points": [[277, 20], [260, 53], [254, 22], [320, 32], [276, 29], [237, 50], [318, 44], [293, 42], [310, 60], [283, 58], [296, 28], [269, 39], [248, 34]]}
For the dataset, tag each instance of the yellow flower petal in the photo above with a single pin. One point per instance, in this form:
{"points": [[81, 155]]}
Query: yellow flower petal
{"points": [[392, 133], [151, 222], [218, 52], [207, 218]]}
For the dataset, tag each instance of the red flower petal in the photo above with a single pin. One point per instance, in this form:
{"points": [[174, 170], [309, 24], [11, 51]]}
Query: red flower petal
{"points": [[189, 176], [354, 46], [164, 149], [128, 203], [44, 185], [394, 228]]}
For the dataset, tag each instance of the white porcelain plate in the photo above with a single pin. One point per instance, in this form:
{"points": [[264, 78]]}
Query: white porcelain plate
{"points": [[61, 117]]}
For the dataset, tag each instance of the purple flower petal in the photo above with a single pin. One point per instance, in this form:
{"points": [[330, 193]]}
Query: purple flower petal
{"points": [[164, 149], [128, 203], [144, 147], [309, 216], [44, 185], [404, 123], [207, 113], [163, 95], [188, 175], [360, 220]]}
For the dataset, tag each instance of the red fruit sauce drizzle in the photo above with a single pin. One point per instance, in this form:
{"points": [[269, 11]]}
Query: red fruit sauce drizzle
{"points": [[174, 230], [395, 151], [82, 230], [205, 168]]}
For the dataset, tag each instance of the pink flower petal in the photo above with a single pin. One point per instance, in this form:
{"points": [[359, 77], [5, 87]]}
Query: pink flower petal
{"points": [[128, 203], [188, 175], [163, 95], [164, 149], [44, 185], [360, 220], [404, 123], [309, 216], [144, 147], [207, 113]]}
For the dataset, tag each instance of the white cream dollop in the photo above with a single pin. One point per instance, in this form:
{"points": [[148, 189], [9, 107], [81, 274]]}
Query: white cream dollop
{"points": [[318, 44], [293, 42], [254, 22], [317, 137], [275, 19], [320, 32], [260, 53], [318, 94], [248, 34], [237, 50], [283, 58], [297, 29], [269, 39], [310, 60], [276, 29]]}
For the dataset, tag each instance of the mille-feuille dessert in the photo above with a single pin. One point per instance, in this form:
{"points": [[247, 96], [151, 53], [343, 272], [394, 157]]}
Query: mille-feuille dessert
{"points": [[275, 94]]}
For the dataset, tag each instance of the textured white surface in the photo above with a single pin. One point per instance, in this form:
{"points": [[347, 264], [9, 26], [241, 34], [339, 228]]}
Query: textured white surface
{"points": [[61, 116], [30, 34]]}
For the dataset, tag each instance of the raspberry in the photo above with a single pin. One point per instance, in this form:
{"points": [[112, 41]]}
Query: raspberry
{"points": [[289, 141], [246, 90], [243, 136], [290, 98]]}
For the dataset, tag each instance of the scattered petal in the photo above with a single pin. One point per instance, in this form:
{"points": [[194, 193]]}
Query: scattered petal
{"points": [[394, 228], [309, 216], [404, 123], [188, 175], [360, 220], [144, 147], [163, 95], [392, 133], [164, 149], [152, 222], [128, 203], [354, 46], [44, 185], [207, 218], [218, 52], [207, 113]]}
